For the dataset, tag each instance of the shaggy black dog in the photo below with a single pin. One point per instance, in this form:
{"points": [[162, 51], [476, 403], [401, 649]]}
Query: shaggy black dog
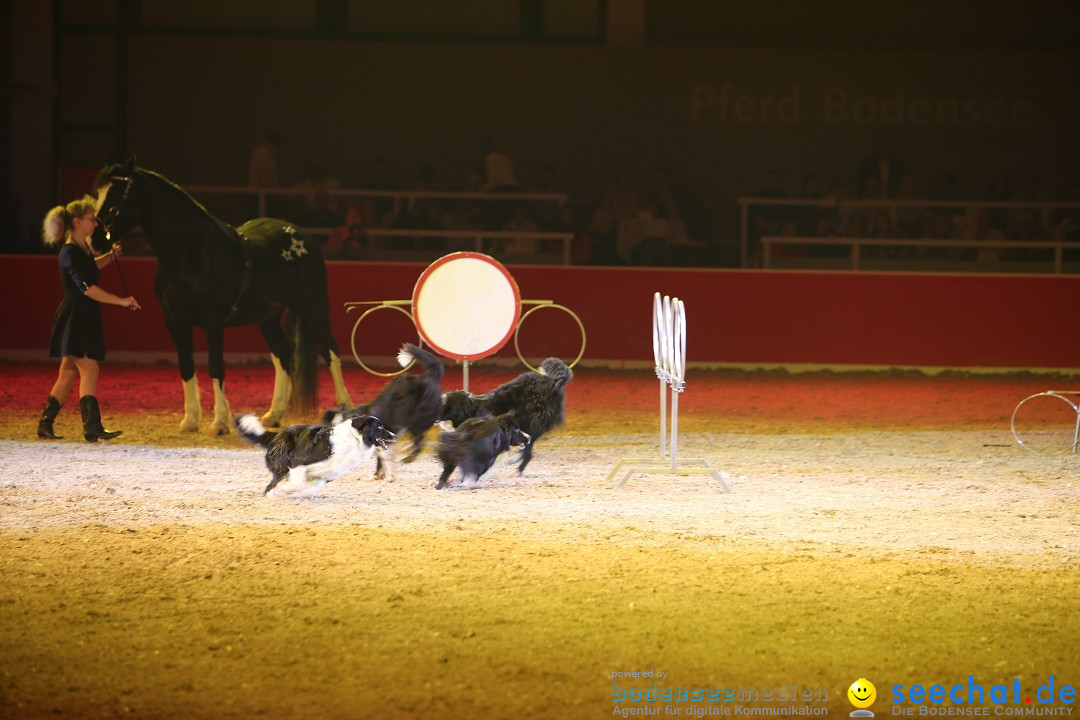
{"points": [[536, 399], [408, 404], [475, 445], [312, 455]]}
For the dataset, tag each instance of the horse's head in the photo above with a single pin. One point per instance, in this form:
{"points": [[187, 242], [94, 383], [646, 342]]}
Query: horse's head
{"points": [[117, 214]]}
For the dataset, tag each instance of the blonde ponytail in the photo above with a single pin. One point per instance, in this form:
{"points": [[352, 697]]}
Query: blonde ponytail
{"points": [[59, 220], [55, 227]]}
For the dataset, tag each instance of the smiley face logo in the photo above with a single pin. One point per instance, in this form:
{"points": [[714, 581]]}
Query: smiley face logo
{"points": [[862, 693]]}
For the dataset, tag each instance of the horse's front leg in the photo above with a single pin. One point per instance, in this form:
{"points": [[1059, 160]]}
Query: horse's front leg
{"points": [[279, 349], [215, 346], [341, 395], [185, 360]]}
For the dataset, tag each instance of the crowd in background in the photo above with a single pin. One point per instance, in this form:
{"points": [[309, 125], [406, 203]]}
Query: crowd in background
{"points": [[883, 176], [595, 228]]}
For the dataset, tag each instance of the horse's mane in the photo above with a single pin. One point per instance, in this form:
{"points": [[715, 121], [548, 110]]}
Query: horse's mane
{"points": [[105, 176]]}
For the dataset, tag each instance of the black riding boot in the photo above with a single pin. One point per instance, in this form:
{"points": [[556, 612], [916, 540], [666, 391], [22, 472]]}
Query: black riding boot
{"points": [[45, 424], [91, 421]]}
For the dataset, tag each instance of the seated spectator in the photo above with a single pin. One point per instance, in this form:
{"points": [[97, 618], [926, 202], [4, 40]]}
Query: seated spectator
{"points": [[387, 208], [579, 244], [881, 228], [499, 173], [768, 220], [1030, 190], [319, 206], [948, 188], [1000, 189], [828, 226], [1067, 220], [349, 241], [908, 216], [855, 225], [463, 216], [619, 203], [975, 225], [1026, 227], [546, 212], [811, 188], [523, 222], [882, 165]]}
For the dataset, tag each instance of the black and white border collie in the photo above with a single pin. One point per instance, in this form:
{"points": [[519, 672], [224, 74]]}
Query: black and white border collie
{"points": [[475, 445], [537, 400], [407, 404], [303, 458]]}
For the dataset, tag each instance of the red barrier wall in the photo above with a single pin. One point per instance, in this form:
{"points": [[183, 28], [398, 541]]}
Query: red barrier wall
{"points": [[752, 317]]}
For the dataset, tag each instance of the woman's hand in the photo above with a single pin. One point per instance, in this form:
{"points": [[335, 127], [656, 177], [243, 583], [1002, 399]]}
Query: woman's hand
{"points": [[131, 303], [117, 249]]}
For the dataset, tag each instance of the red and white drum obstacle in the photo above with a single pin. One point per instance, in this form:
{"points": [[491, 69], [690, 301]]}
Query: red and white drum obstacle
{"points": [[669, 353], [465, 306]]}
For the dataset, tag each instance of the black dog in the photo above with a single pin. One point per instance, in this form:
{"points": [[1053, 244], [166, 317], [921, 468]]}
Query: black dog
{"points": [[475, 445], [536, 399], [408, 404], [312, 455]]}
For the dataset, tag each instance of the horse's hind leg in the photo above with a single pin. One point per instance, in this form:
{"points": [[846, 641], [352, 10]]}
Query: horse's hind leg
{"points": [[318, 318], [280, 353], [185, 360], [341, 394], [215, 346]]}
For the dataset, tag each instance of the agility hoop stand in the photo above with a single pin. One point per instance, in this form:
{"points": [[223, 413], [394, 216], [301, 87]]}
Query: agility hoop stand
{"points": [[669, 352], [1060, 395]]}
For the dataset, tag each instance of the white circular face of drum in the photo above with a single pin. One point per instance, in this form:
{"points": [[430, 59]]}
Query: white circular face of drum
{"points": [[466, 305]]}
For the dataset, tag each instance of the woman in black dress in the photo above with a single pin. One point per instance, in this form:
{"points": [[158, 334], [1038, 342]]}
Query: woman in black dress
{"points": [[77, 336]]}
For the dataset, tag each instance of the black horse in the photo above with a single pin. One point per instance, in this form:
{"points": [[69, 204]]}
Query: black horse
{"points": [[213, 276]]}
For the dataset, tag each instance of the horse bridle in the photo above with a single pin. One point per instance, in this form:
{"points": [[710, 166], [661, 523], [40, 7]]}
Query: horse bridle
{"points": [[114, 211], [110, 218]]}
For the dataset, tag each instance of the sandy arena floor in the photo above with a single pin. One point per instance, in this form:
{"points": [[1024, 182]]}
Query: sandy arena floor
{"points": [[880, 527]]}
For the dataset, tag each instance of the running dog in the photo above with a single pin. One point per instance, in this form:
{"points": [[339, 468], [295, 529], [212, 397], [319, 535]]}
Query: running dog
{"points": [[303, 458], [474, 447], [408, 404], [537, 400]]}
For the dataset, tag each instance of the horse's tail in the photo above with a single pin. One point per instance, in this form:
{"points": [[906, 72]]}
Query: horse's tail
{"points": [[305, 367]]}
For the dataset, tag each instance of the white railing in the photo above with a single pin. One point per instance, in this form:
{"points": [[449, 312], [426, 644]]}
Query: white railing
{"points": [[477, 236], [893, 206], [856, 259], [409, 195]]}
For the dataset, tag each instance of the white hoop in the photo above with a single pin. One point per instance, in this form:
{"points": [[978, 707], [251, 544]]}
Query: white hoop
{"points": [[678, 338], [669, 340], [657, 333]]}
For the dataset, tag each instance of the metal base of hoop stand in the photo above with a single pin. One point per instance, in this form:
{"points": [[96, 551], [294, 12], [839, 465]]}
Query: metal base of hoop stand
{"points": [[666, 465]]}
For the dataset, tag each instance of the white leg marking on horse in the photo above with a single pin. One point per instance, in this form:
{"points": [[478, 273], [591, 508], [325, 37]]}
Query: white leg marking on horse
{"points": [[279, 403], [192, 408], [341, 394], [222, 413]]}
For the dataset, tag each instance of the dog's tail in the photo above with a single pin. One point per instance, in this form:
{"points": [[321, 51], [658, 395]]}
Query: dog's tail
{"points": [[433, 366], [557, 370], [334, 415], [253, 431]]}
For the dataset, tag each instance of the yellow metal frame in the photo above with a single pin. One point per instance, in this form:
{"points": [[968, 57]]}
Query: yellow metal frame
{"points": [[400, 306]]}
